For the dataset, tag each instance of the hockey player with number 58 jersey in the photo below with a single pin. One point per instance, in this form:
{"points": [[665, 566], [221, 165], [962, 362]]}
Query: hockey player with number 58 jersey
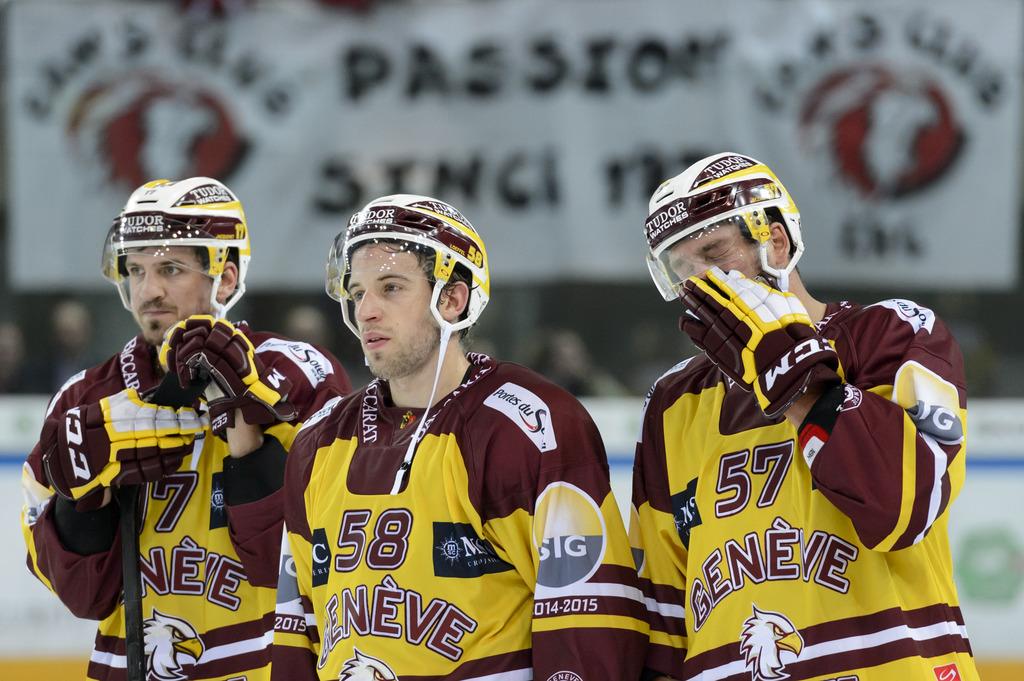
{"points": [[453, 519], [792, 483]]}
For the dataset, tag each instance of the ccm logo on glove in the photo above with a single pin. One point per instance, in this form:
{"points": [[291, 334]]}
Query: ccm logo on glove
{"points": [[73, 430], [800, 352]]}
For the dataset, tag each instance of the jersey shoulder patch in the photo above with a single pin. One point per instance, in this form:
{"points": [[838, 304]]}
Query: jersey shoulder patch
{"points": [[675, 369], [320, 414], [917, 316], [528, 411], [63, 389], [313, 363]]}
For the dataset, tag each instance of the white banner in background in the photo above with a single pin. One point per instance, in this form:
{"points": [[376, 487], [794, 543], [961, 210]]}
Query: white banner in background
{"points": [[894, 124]]}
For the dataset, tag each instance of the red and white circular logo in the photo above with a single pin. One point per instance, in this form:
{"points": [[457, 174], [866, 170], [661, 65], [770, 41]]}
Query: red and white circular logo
{"points": [[888, 134], [143, 128]]}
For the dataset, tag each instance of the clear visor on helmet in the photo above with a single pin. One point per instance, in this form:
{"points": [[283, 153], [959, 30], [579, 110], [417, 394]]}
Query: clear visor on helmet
{"points": [[351, 266], [164, 263], [725, 244], [165, 232], [385, 268]]}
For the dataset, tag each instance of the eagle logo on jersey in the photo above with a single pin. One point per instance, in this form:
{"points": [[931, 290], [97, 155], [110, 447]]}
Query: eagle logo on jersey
{"points": [[765, 637], [170, 644], [365, 668]]}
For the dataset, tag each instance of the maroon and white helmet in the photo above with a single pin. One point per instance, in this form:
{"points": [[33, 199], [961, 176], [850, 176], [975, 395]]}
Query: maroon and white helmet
{"points": [[726, 188], [199, 212], [426, 223]]}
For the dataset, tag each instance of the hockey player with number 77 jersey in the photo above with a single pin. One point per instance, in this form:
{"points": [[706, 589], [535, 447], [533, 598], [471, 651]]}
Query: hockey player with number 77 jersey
{"points": [[208, 475]]}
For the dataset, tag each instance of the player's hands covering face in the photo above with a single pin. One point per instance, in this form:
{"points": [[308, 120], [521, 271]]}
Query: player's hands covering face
{"points": [[760, 337]]}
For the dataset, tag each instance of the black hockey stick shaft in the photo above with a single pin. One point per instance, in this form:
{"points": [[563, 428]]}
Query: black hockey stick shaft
{"points": [[167, 394], [131, 581]]}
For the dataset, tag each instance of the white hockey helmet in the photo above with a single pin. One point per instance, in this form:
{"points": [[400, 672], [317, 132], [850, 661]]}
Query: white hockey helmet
{"points": [[199, 212], [419, 222], [726, 188]]}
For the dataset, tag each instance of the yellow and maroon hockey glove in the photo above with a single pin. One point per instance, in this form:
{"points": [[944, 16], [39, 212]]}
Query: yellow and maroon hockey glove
{"points": [[759, 336], [121, 440], [201, 348]]}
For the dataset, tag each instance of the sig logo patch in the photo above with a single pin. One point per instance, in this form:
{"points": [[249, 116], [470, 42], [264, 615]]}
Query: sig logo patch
{"points": [[460, 552], [287, 577], [321, 557], [685, 511], [527, 411], [931, 401], [569, 533], [218, 508]]}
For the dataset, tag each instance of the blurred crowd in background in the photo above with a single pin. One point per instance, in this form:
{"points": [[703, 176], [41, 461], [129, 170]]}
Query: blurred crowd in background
{"points": [[594, 339]]}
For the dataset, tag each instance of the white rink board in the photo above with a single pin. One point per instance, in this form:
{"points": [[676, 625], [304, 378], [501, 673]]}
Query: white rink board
{"points": [[987, 537]]}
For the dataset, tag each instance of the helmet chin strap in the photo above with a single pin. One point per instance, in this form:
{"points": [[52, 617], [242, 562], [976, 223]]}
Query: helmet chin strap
{"points": [[779, 278], [772, 276], [446, 333], [219, 310]]}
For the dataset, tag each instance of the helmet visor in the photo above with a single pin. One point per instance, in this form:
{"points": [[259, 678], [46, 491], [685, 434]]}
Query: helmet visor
{"points": [[725, 244], [389, 258], [690, 213], [163, 231], [136, 264]]}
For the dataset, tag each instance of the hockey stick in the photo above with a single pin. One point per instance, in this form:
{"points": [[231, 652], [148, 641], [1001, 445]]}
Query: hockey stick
{"points": [[167, 394], [128, 501]]}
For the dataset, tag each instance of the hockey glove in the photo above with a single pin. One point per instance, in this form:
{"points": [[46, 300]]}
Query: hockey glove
{"points": [[119, 441], [202, 347], [760, 337]]}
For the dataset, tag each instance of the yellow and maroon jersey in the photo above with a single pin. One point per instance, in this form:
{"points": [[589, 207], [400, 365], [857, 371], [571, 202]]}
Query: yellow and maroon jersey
{"points": [[768, 556], [208, 567], [502, 556]]}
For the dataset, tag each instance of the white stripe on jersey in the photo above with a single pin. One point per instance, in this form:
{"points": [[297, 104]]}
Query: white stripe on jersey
{"points": [[197, 450], [936, 496], [216, 653], [514, 675], [109, 659], [70, 382], [587, 589], [844, 645], [665, 609], [251, 645]]}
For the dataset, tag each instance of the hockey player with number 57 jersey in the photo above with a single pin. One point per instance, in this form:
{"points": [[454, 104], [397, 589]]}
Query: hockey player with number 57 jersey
{"points": [[793, 482], [454, 519]]}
